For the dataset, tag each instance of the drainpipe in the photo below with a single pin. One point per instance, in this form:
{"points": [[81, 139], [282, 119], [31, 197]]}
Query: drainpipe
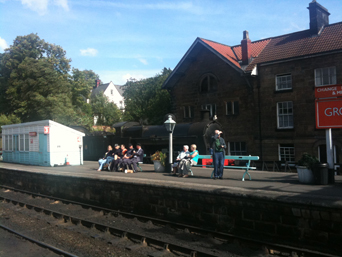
{"points": [[259, 114]]}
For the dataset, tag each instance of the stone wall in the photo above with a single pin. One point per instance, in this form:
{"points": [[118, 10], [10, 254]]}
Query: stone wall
{"points": [[284, 220]]}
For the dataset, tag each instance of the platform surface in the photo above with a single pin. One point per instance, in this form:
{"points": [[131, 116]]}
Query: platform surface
{"points": [[280, 186]]}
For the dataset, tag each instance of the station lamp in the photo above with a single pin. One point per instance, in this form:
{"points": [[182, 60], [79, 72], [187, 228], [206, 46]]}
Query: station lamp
{"points": [[170, 126]]}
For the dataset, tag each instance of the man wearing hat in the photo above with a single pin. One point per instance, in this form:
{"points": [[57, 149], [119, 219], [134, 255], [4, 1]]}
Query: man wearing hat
{"points": [[117, 156], [138, 156]]}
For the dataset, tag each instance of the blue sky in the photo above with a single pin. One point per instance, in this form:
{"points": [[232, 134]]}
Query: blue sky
{"points": [[138, 38]]}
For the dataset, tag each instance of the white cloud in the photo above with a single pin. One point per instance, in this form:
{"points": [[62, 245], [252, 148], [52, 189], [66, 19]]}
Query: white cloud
{"points": [[3, 44], [41, 6], [143, 61], [89, 52], [63, 4]]}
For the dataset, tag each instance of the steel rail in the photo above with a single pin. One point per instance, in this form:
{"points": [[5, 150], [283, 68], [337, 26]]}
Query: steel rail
{"points": [[217, 235], [113, 230], [47, 246]]}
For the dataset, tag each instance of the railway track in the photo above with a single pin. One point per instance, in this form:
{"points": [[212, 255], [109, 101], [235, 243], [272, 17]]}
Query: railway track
{"points": [[162, 246], [58, 251]]}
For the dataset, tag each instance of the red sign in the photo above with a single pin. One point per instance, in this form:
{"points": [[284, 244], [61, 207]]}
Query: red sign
{"points": [[46, 130], [32, 134], [329, 113], [328, 91], [78, 139]]}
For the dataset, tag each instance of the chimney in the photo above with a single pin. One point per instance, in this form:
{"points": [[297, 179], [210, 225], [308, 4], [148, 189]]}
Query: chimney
{"points": [[97, 83], [246, 50], [319, 17]]}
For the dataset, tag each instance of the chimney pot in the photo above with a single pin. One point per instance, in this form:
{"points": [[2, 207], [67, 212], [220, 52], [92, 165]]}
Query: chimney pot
{"points": [[97, 83], [246, 48]]}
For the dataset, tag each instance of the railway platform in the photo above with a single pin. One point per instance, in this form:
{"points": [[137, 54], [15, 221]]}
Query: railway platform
{"points": [[264, 184], [273, 206]]}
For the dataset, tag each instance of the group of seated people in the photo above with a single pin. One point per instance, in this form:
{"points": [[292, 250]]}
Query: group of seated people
{"points": [[184, 161], [120, 158]]}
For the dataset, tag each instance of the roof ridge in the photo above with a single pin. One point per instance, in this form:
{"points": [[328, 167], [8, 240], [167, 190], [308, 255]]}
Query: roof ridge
{"points": [[215, 42]]}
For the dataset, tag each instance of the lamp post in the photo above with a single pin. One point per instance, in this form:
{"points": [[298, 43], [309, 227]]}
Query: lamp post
{"points": [[170, 126]]}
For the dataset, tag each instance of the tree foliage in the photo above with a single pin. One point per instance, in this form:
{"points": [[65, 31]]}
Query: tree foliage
{"points": [[34, 80], [145, 101], [7, 120], [107, 113]]}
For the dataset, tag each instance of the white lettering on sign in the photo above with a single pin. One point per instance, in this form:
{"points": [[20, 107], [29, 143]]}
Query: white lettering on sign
{"points": [[333, 111], [326, 89]]}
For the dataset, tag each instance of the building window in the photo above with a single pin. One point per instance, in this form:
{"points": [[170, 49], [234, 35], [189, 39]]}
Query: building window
{"points": [[211, 108], [10, 143], [188, 111], [285, 115], [24, 142], [208, 83], [6, 143], [283, 82], [21, 142], [232, 108], [325, 76], [111, 91], [286, 153], [27, 142], [237, 148]]}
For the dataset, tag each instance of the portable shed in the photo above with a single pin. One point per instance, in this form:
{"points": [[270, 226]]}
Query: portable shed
{"points": [[43, 143]]}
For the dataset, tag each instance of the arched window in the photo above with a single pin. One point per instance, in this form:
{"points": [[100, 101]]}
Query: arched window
{"points": [[208, 83]]}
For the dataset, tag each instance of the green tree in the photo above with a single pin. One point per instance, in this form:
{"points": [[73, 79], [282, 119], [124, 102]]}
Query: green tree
{"points": [[145, 101], [34, 81], [7, 120], [107, 113]]}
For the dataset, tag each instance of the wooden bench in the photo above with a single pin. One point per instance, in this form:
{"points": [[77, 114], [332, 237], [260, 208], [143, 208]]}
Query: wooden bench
{"points": [[240, 158]]}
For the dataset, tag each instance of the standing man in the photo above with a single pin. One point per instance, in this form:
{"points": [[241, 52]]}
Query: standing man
{"points": [[218, 147], [138, 156]]}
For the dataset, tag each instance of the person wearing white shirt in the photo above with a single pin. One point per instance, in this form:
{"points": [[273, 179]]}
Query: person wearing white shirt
{"points": [[181, 155]]}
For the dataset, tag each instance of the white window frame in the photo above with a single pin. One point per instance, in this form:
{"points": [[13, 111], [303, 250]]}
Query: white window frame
{"points": [[287, 154], [282, 79], [285, 117], [321, 80], [210, 108], [10, 143], [241, 152]]}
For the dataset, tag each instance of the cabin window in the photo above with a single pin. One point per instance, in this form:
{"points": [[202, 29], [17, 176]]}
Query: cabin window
{"points": [[232, 108], [208, 83], [285, 115], [286, 152], [325, 76], [283, 82]]}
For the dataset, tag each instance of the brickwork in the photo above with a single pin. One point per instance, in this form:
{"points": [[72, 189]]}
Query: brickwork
{"points": [[254, 125], [298, 222]]}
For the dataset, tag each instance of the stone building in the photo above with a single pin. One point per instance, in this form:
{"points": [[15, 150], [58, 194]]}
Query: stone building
{"points": [[263, 92]]}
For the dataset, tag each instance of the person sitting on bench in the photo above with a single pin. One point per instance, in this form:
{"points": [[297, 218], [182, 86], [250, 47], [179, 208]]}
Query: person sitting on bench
{"points": [[107, 158], [185, 163], [138, 156], [180, 156], [126, 159]]}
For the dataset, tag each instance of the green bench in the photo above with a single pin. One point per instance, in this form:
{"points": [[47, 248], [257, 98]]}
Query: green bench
{"points": [[138, 164], [240, 158]]}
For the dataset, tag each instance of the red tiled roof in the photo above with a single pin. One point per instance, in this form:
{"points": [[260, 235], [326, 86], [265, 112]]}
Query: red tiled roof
{"points": [[284, 47], [300, 44], [224, 50], [257, 47]]}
